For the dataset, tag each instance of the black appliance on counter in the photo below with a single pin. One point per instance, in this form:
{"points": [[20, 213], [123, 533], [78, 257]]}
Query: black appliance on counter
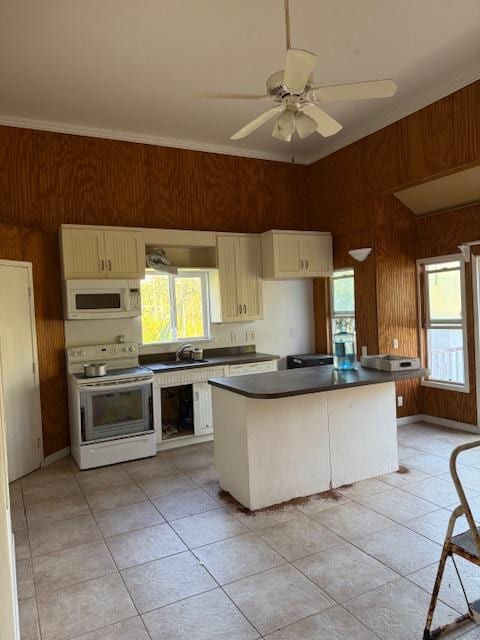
{"points": [[308, 360]]}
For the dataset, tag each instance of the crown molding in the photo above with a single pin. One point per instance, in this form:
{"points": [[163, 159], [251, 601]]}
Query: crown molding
{"points": [[382, 122], [176, 143], [127, 136]]}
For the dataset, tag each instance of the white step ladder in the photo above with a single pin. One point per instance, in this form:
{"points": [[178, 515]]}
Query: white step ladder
{"points": [[466, 545]]}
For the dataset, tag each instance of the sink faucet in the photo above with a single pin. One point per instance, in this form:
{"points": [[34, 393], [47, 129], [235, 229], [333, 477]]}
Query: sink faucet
{"points": [[179, 352]]}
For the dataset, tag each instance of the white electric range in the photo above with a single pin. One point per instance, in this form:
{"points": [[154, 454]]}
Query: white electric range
{"points": [[111, 416]]}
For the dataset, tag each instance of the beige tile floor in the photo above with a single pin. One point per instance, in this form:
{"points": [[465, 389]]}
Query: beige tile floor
{"points": [[151, 550]]}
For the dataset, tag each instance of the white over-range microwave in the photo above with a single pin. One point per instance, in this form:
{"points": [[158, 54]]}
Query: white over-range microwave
{"points": [[96, 299]]}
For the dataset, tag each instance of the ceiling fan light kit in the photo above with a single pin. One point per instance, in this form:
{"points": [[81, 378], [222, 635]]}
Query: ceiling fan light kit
{"points": [[296, 96], [305, 125]]}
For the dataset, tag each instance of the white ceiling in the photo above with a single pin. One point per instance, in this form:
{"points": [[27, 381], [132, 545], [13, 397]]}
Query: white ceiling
{"points": [[127, 68]]}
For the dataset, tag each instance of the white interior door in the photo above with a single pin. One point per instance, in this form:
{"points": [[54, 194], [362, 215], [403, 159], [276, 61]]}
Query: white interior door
{"points": [[9, 622], [21, 391]]}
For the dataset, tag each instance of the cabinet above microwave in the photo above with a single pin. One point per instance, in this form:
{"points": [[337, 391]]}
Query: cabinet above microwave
{"points": [[98, 299], [96, 253]]}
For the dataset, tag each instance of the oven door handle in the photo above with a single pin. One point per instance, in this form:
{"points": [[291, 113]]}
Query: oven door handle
{"points": [[117, 386]]}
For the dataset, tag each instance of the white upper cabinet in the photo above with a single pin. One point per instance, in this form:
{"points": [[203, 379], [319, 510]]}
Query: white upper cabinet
{"points": [[228, 260], [89, 252], [249, 282], [83, 253], [296, 254], [239, 266], [125, 253]]}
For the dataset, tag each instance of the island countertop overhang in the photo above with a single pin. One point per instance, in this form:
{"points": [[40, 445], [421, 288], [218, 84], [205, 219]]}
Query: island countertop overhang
{"points": [[295, 382]]}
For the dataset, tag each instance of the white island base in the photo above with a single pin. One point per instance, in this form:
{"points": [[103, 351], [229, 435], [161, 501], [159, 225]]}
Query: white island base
{"points": [[269, 451]]}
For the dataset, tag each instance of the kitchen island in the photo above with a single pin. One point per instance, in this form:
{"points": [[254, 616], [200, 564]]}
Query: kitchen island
{"points": [[294, 433]]}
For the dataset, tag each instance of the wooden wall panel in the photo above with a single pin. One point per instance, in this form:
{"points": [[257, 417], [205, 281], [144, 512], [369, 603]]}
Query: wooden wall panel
{"points": [[322, 314], [440, 235], [350, 195], [49, 179], [395, 229]]}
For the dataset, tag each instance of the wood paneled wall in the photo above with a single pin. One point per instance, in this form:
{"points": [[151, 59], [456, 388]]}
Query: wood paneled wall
{"points": [[351, 195], [48, 179], [440, 235]]}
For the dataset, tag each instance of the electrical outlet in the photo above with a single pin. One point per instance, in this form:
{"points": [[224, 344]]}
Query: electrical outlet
{"points": [[395, 343], [399, 401], [250, 335], [234, 336]]}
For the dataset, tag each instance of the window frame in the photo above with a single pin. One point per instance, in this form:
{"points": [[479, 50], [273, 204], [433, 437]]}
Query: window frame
{"points": [[205, 286], [425, 324], [333, 315]]}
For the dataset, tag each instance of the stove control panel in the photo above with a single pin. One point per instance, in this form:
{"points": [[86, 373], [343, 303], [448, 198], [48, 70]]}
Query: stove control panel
{"points": [[101, 352]]}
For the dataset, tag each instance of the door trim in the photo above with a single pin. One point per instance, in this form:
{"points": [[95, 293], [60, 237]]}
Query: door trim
{"points": [[29, 267], [475, 262]]}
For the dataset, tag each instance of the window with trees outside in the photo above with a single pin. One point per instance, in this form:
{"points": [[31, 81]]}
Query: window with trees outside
{"points": [[444, 323], [343, 301], [175, 307]]}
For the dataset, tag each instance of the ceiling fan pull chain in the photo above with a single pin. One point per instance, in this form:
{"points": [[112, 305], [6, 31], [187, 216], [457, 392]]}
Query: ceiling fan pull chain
{"points": [[287, 23]]}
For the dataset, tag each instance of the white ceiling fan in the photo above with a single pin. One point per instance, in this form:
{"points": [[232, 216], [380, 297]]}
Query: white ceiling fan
{"points": [[296, 97]]}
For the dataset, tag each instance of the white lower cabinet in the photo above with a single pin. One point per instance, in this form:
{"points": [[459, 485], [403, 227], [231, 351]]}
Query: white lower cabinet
{"points": [[189, 390], [202, 409]]}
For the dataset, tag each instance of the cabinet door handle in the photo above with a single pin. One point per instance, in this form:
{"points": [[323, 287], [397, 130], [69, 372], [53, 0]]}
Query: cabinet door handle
{"points": [[306, 265], [240, 308], [244, 308], [109, 265], [102, 265], [301, 265]]}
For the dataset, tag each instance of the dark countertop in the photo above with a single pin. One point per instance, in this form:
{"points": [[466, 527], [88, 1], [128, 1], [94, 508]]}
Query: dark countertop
{"points": [[211, 361], [294, 382]]}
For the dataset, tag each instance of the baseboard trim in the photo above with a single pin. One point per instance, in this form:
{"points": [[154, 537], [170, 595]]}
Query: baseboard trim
{"points": [[54, 457], [409, 419], [452, 424]]}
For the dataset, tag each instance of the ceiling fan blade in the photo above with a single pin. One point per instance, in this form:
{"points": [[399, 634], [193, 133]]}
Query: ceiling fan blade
{"points": [[298, 69], [232, 96], [355, 91], [326, 125], [257, 122]]}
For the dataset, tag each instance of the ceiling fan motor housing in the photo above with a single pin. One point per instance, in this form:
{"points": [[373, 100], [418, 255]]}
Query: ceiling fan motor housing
{"points": [[277, 88]]}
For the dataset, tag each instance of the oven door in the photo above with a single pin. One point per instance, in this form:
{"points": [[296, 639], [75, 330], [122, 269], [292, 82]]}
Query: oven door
{"points": [[116, 410]]}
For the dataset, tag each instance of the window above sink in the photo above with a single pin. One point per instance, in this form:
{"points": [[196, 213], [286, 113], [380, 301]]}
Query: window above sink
{"points": [[175, 307]]}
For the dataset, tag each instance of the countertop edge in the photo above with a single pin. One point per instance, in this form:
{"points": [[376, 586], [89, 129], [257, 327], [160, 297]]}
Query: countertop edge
{"points": [[391, 377]]}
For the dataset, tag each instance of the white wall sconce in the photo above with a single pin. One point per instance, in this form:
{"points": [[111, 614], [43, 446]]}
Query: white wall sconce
{"points": [[360, 254]]}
